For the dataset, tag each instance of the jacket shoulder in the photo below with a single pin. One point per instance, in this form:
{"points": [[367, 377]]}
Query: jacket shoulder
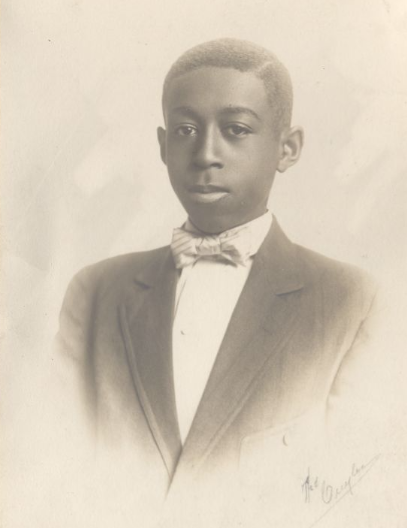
{"points": [[117, 270], [338, 280]]}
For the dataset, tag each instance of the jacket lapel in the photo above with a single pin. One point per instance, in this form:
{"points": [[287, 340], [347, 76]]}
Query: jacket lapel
{"points": [[146, 319], [262, 322]]}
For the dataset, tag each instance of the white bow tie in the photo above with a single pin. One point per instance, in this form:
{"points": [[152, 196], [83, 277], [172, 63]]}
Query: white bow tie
{"points": [[233, 245]]}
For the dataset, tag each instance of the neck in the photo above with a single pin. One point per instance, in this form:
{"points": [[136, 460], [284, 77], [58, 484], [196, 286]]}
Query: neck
{"points": [[218, 231]]}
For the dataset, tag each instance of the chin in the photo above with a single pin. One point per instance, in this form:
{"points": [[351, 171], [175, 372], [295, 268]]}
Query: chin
{"points": [[211, 225]]}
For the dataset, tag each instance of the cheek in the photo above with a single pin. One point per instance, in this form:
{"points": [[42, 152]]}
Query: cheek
{"points": [[255, 188], [178, 156]]}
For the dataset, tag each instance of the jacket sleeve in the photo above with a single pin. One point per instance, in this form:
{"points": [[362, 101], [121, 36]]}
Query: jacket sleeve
{"points": [[72, 351], [364, 424]]}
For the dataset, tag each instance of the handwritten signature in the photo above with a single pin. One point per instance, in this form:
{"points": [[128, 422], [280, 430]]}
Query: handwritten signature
{"points": [[315, 488]]}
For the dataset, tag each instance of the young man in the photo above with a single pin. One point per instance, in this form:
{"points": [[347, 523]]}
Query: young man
{"points": [[203, 359]]}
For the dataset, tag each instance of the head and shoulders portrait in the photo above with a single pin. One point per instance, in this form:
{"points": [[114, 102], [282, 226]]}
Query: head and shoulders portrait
{"points": [[226, 370]]}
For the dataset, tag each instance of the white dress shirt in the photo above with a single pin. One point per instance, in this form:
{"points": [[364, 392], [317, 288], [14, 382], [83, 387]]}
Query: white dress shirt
{"points": [[207, 293]]}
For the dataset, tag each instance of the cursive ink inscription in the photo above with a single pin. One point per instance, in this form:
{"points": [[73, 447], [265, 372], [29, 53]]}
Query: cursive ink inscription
{"points": [[310, 484], [315, 488]]}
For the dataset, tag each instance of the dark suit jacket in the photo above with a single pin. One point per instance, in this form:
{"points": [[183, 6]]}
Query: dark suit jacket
{"points": [[281, 366]]}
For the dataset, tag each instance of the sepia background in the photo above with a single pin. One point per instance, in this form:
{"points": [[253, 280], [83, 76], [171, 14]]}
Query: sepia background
{"points": [[81, 175]]}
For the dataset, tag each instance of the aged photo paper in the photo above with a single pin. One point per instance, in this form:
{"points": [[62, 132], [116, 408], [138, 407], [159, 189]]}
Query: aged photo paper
{"points": [[83, 180]]}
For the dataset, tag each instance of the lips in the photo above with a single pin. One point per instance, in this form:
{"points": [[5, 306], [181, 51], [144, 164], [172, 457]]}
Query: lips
{"points": [[206, 189], [207, 193]]}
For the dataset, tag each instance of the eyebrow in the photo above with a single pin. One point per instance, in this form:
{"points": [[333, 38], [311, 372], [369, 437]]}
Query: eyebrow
{"points": [[227, 110], [185, 110], [240, 110]]}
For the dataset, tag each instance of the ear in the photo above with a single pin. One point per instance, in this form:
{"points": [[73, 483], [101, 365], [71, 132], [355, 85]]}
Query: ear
{"points": [[291, 146], [161, 136]]}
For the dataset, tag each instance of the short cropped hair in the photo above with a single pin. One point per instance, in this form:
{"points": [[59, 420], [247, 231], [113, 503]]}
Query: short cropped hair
{"points": [[246, 57]]}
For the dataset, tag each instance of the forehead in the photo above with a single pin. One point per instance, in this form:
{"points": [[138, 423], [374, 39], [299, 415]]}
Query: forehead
{"points": [[209, 90]]}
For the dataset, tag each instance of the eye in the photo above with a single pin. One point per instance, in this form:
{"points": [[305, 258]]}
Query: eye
{"points": [[186, 130], [238, 130]]}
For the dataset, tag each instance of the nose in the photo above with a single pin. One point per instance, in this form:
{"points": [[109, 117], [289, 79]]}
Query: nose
{"points": [[208, 150]]}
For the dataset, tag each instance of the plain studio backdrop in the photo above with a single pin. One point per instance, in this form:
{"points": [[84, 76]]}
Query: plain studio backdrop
{"points": [[82, 178]]}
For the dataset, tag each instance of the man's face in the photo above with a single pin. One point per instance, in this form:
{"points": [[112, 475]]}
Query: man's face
{"points": [[220, 146]]}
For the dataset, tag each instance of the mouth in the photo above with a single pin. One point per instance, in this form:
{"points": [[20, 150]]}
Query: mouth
{"points": [[207, 193]]}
